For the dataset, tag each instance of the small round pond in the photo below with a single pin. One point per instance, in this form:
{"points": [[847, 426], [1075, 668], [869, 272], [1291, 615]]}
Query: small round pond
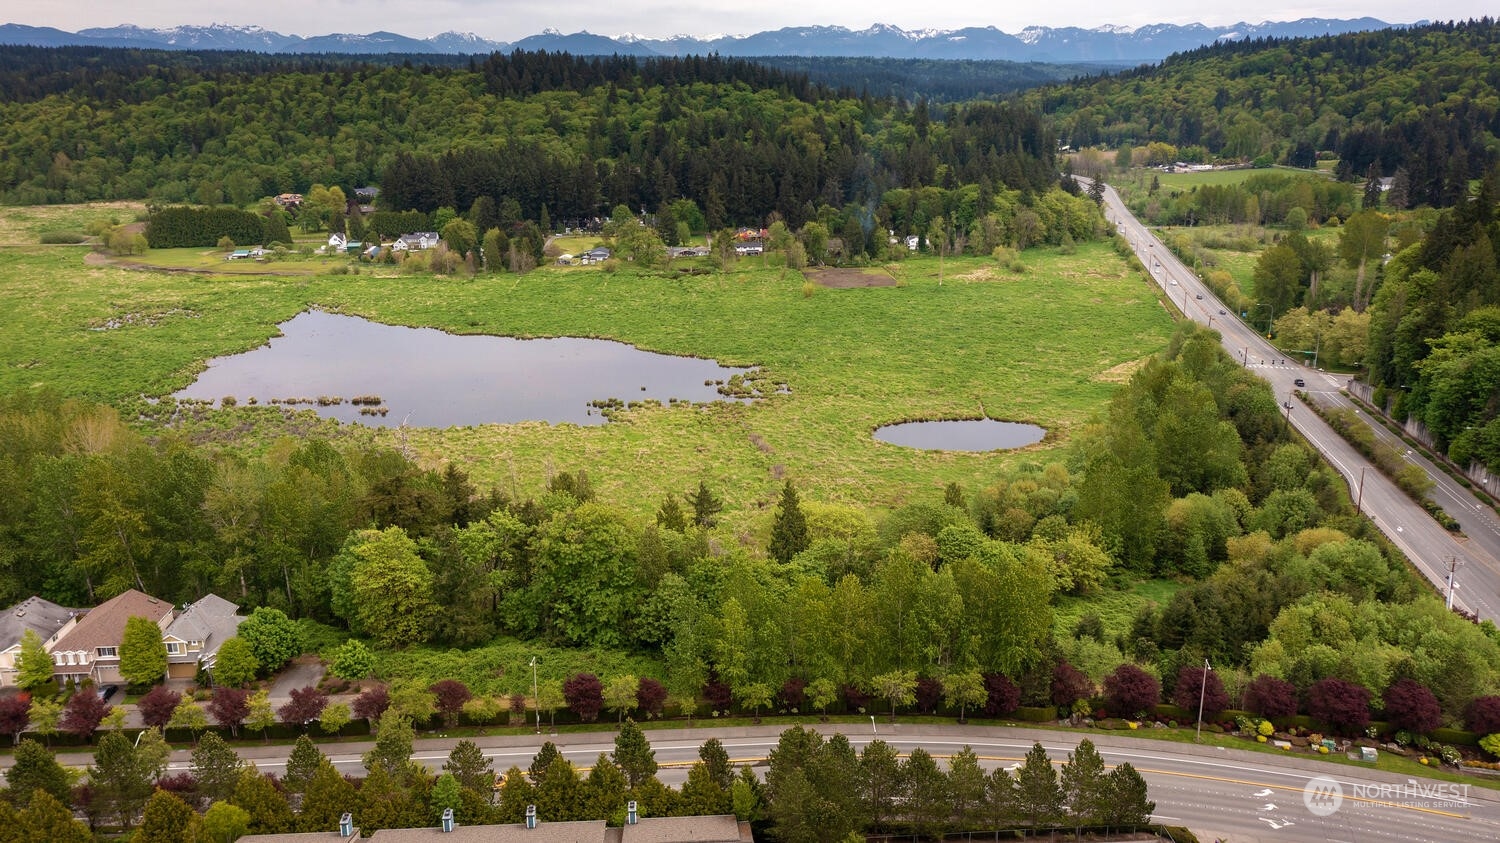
{"points": [[966, 435], [355, 370]]}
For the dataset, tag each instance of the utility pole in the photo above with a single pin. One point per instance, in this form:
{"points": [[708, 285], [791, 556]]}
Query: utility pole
{"points": [[1359, 499], [1453, 565]]}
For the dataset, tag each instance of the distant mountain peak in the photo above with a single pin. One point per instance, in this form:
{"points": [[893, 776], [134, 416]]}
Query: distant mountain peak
{"points": [[1105, 43]]}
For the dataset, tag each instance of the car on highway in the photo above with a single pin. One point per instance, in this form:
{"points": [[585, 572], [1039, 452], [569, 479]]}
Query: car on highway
{"points": [[1199, 297], [1299, 382]]}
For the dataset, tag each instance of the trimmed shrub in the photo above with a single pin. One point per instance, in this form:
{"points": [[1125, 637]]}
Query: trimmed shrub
{"points": [[1035, 714]]}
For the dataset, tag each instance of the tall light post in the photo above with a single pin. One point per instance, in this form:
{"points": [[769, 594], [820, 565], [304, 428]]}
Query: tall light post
{"points": [[536, 700], [1202, 689]]}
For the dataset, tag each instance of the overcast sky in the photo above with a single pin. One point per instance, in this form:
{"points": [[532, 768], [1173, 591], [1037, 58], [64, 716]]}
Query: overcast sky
{"points": [[511, 20]]}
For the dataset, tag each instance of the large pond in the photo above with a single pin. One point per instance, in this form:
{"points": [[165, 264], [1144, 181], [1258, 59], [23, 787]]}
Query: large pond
{"points": [[967, 435], [356, 370]]}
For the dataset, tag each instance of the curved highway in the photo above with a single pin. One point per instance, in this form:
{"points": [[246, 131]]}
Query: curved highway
{"points": [[1431, 549]]}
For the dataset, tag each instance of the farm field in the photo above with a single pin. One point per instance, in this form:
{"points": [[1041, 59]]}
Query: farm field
{"points": [[963, 340]]}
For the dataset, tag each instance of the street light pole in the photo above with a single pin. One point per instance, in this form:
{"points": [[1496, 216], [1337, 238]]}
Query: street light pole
{"points": [[536, 700], [1202, 689]]}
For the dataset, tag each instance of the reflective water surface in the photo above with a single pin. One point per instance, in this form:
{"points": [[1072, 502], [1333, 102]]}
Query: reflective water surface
{"points": [[968, 435], [427, 378]]}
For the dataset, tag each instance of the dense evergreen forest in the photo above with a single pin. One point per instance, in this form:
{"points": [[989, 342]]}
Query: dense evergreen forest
{"points": [[936, 80], [1423, 100], [580, 136]]}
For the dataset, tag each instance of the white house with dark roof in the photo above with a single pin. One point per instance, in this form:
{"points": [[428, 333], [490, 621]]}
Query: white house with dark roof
{"points": [[416, 241], [47, 619], [195, 634]]}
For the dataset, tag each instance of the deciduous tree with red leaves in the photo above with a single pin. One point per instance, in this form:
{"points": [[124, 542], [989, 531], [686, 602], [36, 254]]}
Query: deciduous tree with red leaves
{"points": [[1129, 690], [230, 706], [1001, 695], [1483, 715], [651, 695], [156, 706], [1069, 685], [372, 703], [15, 715], [1190, 681], [450, 696], [1271, 697], [929, 694], [1411, 706], [584, 694], [305, 706], [793, 693], [1341, 704], [83, 713]]}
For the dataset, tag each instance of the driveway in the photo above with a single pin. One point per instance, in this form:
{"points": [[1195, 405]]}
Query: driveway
{"points": [[304, 671]]}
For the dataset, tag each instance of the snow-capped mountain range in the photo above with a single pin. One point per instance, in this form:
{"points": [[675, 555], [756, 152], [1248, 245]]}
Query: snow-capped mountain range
{"points": [[1038, 43]]}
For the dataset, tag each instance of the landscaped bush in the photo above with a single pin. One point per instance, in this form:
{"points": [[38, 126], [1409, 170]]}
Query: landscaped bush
{"points": [[1035, 714], [1130, 690], [1411, 706], [1194, 681], [1271, 697], [1341, 704]]}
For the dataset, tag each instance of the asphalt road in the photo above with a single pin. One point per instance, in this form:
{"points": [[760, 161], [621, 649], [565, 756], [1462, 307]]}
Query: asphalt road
{"points": [[1430, 548], [1239, 796]]}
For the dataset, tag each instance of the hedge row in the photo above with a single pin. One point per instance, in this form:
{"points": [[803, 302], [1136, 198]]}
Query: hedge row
{"points": [[180, 227]]}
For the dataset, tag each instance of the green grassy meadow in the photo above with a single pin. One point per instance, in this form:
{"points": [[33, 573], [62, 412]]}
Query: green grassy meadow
{"points": [[1040, 347]]}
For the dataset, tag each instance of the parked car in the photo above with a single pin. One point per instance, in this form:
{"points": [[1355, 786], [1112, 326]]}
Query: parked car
{"points": [[106, 691]]}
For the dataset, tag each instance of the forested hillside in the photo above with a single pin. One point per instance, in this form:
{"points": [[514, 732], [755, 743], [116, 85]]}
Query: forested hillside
{"points": [[1423, 100], [580, 136]]}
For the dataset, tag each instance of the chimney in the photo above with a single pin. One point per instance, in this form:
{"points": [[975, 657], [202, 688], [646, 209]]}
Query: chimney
{"points": [[346, 826], [531, 816], [447, 819], [632, 816]]}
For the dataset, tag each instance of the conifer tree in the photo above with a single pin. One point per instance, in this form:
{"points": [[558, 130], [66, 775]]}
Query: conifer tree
{"points": [[634, 754], [789, 531]]}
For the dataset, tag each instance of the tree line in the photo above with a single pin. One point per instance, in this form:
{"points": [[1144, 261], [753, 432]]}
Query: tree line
{"points": [[816, 790]]}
